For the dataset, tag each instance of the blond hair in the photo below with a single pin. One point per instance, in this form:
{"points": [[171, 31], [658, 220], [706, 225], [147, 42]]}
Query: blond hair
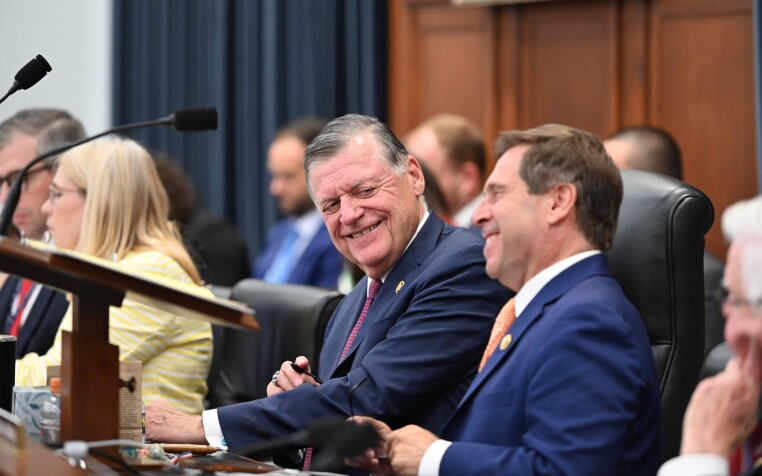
{"points": [[126, 206]]}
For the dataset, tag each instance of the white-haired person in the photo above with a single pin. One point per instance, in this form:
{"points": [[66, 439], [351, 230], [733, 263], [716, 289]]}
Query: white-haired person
{"points": [[721, 429], [106, 200]]}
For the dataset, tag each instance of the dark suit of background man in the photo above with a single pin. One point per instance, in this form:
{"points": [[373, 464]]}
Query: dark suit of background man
{"points": [[419, 344], [298, 248], [571, 386], [654, 150], [452, 147], [28, 310]]}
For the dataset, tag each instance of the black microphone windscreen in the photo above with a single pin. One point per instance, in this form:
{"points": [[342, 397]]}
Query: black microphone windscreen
{"points": [[196, 119], [33, 71]]}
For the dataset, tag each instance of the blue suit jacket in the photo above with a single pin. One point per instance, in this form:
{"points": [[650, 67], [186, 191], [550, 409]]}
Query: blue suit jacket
{"points": [[418, 347], [39, 330], [575, 392], [319, 265]]}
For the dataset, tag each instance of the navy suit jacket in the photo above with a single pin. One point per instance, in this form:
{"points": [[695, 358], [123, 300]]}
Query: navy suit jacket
{"points": [[418, 347], [575, 392], [42, 322], [319, 265]]}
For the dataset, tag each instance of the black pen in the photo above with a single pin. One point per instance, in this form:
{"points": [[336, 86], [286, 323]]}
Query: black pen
{"points": [[302, 371]]}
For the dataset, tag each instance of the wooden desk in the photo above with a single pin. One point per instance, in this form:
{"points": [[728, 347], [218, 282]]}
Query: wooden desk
{"points": [[90, 364], [34, 460]]}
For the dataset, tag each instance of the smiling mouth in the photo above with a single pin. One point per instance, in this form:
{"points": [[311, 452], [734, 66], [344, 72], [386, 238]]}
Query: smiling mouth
{"points": [[365, 231]]}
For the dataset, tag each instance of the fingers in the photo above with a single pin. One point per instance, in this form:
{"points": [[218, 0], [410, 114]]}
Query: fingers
{"points": [[289, 379], [303, 362], [381, 428]]}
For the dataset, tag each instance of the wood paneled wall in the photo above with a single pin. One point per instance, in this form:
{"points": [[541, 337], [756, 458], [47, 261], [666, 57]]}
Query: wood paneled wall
{"points": [[683, 65]]}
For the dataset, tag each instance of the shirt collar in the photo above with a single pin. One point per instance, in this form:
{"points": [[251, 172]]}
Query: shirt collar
{"points": [[532, 287], [420, 225]]}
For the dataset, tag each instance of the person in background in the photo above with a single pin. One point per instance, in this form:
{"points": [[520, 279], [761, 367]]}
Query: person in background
{"points": [[655, 150], [29, 310], [405, 343], [721, 422], [298, 248], [567, 383], [106, 200], [219, 252], [452, 147]]}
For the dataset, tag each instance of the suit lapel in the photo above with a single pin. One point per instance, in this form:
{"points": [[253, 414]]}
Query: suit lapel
{"points": [[404, 271], [551, 292], [6, 295], [36, 314]]}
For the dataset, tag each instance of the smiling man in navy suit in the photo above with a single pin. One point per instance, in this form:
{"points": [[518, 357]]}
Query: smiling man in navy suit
{"points": [[28, 310], [568, 383], [408, 338]]}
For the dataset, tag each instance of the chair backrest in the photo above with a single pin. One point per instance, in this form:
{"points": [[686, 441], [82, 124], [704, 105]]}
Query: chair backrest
{"points": [[292, 321], [657, 258]]}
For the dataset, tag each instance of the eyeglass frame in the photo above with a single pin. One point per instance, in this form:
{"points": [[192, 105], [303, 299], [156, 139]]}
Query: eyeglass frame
{"points": [[55, 192], [11, 178], [722, 295]]}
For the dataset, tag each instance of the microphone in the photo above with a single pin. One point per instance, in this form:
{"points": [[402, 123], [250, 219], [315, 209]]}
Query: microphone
{"points": [[347, 443], [185, 120], [29, 75]]}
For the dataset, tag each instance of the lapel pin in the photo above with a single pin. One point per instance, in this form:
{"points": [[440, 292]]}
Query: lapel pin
{"points": [[505, 342], [399, 286]]}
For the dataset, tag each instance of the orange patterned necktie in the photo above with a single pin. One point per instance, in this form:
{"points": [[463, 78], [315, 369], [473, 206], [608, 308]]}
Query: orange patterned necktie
{"points": [[503, 322]]}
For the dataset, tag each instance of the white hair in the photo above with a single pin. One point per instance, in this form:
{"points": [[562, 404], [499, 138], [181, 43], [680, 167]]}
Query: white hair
{"points": [[742, 218], [750, 257]]}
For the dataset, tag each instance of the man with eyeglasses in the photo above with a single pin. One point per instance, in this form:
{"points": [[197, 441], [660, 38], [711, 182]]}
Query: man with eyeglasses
{"points": [[723, 410], [29, 311]]}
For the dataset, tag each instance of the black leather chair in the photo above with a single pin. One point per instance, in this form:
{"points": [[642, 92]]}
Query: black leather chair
{"points": [[657, 258], [292, 322]]}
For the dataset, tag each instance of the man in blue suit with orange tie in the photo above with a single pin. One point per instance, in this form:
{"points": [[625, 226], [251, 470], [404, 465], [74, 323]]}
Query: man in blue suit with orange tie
{"points": [[567, 383], [405, 342]]}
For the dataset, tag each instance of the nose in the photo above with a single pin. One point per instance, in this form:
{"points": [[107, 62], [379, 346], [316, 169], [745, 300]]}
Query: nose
{"points": [[275, 187], [47, 207], [481, 215], [351, 211]]}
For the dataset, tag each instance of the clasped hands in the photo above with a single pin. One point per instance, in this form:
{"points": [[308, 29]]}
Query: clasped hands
{"points": [[399, 451]]}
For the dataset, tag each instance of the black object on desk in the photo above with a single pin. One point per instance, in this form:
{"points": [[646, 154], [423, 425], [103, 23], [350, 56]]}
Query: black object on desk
{"points": [[8, 370]]}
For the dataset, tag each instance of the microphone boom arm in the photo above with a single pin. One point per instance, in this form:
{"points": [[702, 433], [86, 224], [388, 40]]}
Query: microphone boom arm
{"points": [[12, 200]]}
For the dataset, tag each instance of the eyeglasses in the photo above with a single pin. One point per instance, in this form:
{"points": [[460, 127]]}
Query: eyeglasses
{"points": [[54, 192], [13, 176], [726, 300]]}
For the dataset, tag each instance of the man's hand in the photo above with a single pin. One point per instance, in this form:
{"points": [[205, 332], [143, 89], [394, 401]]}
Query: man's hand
{"points": [[289, 379], [722, 412], [166, 424], [374, 460], [406, 447]]}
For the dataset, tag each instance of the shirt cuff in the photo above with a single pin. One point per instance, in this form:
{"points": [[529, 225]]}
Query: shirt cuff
{"points": [[432, 458], [213, 431], [695, 465]]}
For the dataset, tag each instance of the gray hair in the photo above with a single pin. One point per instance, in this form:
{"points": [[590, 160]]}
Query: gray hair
{"points": [[750, 262], [742, 218], [336, 136], [57, 134], [30, 122]]}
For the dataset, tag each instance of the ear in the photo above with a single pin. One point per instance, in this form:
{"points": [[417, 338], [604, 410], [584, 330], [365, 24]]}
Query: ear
{"points": [[563, 198], [416, 175]]}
